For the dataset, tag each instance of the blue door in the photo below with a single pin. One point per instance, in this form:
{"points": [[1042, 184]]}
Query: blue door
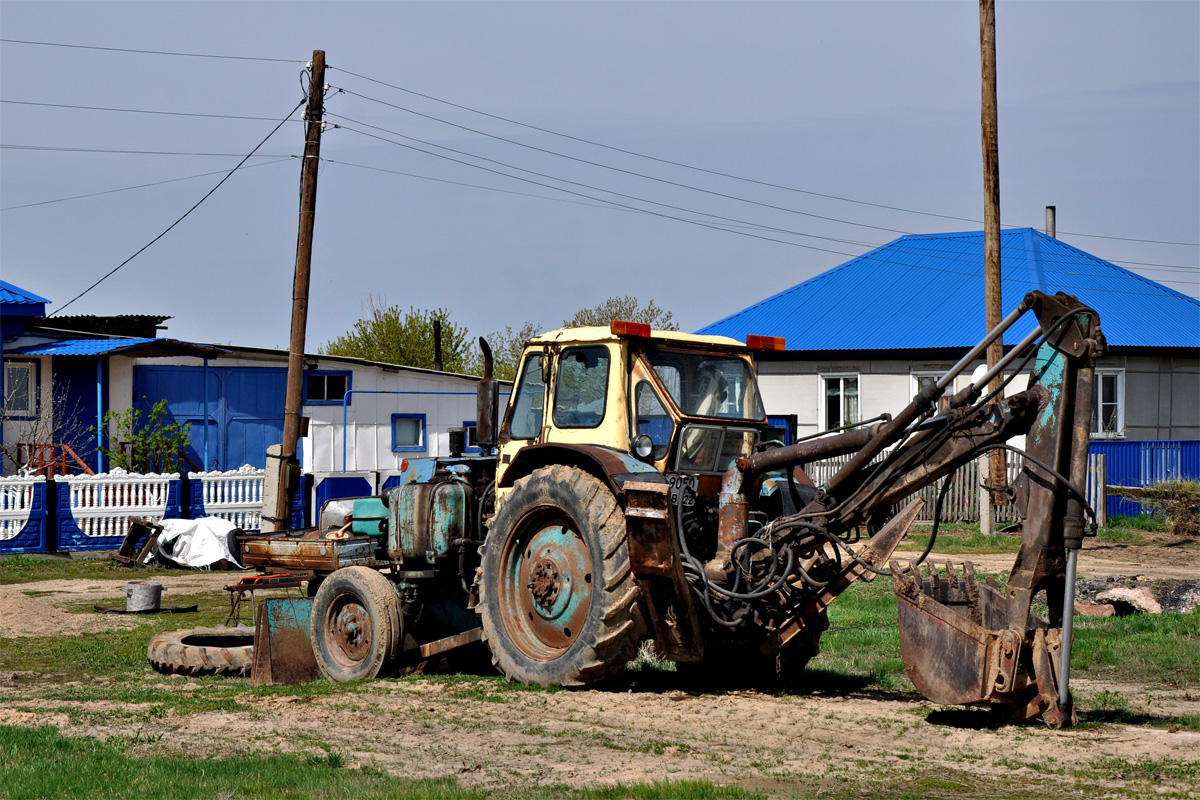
{"points": [[245, 409]]}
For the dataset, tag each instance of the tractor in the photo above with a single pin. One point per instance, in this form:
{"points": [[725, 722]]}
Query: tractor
{"points": [[632, 491]]}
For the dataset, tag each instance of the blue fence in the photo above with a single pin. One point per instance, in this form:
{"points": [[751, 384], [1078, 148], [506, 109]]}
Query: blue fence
{"points": [[24, 515], [1143, 464]]}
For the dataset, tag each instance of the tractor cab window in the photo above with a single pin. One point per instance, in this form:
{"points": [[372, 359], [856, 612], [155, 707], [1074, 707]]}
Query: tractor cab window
{"points": [[582, 387], [529, 401], [707, 385], [653, 419]]}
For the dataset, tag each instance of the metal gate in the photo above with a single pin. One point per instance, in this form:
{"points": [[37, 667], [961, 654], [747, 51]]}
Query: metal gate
{"points": [[244, 409]]}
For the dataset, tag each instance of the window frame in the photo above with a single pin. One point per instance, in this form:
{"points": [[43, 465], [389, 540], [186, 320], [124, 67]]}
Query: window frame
{"points": [[1119, 433], [348, 374], [560, 359], [421, 446], [471, 425], [823, 398], [35, 374], [529, 361]]}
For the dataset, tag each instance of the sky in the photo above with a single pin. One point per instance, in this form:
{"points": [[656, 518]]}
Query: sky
{"points": [[864, 118]]}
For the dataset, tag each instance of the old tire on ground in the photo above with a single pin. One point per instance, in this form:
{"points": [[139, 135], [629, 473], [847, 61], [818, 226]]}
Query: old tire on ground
{"points": [[356, 625], [203, 651], [557, 597]]}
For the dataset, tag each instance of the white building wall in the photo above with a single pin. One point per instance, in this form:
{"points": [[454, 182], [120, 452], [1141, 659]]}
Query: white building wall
{"points": [[369, 416]]}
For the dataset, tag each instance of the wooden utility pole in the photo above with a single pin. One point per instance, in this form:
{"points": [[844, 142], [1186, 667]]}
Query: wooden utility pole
{"points": [[285, 487], [991, 225]]}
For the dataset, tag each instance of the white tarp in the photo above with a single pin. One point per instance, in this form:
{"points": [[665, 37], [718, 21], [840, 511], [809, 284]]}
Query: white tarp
{"points": [[197, 542]]}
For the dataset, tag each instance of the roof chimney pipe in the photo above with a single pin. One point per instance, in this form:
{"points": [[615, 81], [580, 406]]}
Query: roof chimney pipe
{"points": [[1050, 221]]}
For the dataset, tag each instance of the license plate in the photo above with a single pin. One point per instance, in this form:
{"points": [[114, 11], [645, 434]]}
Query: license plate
{"points": [[685, 483]]}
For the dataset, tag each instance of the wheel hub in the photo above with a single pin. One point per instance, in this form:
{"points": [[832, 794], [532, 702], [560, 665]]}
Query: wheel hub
{"points": [[545, 583], [351, 629], [547, 588]]}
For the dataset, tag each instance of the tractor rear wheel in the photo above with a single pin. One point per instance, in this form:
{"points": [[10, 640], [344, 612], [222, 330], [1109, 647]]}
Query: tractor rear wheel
{"points": [[356, 625], [557, 597]]}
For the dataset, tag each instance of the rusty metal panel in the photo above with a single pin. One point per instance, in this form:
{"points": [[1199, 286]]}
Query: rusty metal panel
{"points": [[306, 552], [424, 518], [655, 559], [283, 653]]}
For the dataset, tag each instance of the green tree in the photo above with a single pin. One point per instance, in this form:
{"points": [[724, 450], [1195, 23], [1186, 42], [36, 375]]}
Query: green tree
{"points": [[155, 445], [627, 308], [394, 336], [506, 349]]}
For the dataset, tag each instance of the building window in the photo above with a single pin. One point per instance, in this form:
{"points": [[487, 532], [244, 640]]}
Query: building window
{"points": [[923, 380], [326, 388], [20, 389], [408, 433], [841, 400], [1108, 421], [472, 436]]}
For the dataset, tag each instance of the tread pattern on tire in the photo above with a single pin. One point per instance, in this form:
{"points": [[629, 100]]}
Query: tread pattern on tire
{"points": [[169, 654], [612, 640]]}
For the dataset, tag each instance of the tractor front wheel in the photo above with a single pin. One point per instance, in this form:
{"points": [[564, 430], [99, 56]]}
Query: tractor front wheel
{"points": [[356, 625], [557, 598]]}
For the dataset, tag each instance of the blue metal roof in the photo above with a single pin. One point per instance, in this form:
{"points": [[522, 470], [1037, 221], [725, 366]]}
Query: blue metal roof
{"points": [[926, 291], [15, 295], [106, 347]]}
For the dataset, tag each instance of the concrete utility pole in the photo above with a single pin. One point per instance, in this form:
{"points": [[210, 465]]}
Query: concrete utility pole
{"points": [[284, 471], [991, 230]]}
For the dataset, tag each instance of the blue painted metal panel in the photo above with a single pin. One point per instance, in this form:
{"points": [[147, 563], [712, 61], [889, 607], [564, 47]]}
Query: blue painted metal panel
{"points": [[245, 409], [301, 502], [32, 536], [76, 378], [926, 291], [336, 486], [1143, 464]]}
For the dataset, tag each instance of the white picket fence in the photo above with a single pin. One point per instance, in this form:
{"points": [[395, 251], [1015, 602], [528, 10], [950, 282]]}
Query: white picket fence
{"points": [[236, 495], [16, 503], [962, 498], [101, 505]]}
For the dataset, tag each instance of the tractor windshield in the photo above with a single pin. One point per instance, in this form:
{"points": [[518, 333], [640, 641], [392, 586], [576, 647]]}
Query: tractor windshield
{"points": [[707, 384]]}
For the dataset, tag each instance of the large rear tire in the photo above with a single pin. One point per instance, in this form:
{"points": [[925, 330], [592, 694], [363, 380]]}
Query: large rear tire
{"points": [[557, 597], [356, 625]]}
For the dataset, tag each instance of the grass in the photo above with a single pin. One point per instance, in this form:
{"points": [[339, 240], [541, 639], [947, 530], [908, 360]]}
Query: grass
{"points": [[28, 568], [42, 763], [1140, 648]]}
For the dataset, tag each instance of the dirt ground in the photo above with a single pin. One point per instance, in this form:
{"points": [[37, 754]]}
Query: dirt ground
{"points": [[487, 736]]}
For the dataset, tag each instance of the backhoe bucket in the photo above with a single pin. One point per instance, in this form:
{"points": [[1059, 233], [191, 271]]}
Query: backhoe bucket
{"points": [[958, 649]]}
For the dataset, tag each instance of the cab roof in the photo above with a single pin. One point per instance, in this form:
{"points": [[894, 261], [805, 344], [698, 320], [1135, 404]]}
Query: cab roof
{"points": [[595, 333]]}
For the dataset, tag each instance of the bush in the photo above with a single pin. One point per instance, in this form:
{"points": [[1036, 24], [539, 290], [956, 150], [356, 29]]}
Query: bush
{"points": [[1179, 502]]}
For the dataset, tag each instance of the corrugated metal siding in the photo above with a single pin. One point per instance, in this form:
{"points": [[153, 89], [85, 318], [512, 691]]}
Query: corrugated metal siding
{"points": [[79, 347], [927, 291], [15, 295]]}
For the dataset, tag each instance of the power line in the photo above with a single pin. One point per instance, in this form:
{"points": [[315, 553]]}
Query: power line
{"points": [[156, 52], [136, 152], [715, 226], [593, 188], [1050, 258], [139, 186], [650, 177], [623, 171], [724, 174], [185, 214], [139, 111]]}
